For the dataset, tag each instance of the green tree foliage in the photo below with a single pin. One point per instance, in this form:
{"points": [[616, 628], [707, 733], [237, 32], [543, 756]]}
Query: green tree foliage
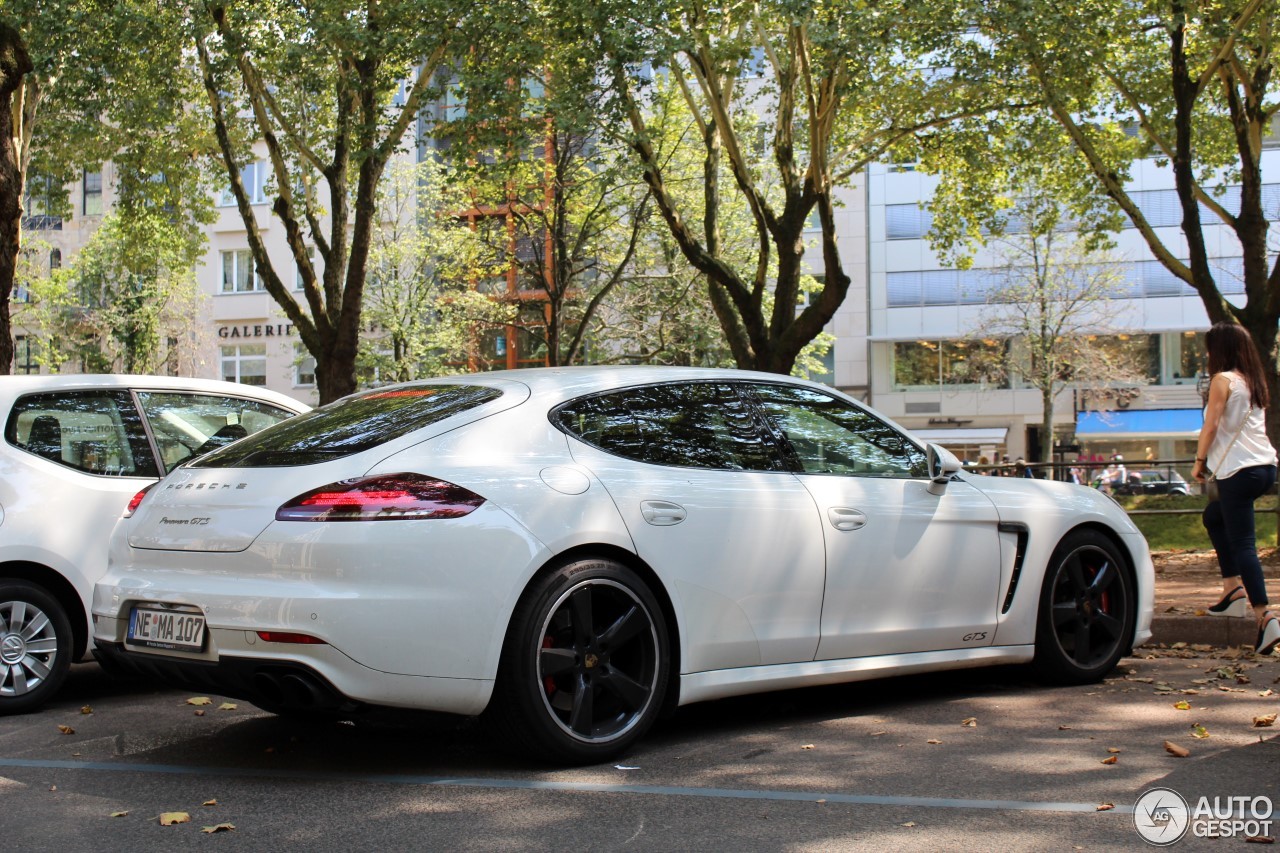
{"points": [[1110, 84], [72, 96], [128, 303], [791, 100], [328, 91], [425, 316]]}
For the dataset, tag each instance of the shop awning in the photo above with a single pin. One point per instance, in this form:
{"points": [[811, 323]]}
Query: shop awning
{"points": [[952, 437], [1139, 423]]}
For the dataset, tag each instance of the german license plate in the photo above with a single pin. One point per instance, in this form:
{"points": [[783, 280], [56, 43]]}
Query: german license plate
{"points": [[177, 630]]}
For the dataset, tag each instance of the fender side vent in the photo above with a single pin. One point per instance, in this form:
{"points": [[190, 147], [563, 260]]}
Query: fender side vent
{"points": [[1023, 533]]}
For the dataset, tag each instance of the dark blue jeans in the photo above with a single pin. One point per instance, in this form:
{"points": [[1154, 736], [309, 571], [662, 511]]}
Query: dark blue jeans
{"points": [[1229, 521]]}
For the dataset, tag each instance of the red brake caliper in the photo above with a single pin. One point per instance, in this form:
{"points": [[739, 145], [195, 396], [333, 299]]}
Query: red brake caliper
{"points": [[548, 683]]}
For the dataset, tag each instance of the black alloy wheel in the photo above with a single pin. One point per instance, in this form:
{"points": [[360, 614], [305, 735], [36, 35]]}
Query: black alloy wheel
{"points": [[585, 665], [1087, 610]]}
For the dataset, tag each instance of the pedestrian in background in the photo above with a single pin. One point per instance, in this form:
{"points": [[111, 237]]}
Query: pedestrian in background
{"points": [[1233, 446]]}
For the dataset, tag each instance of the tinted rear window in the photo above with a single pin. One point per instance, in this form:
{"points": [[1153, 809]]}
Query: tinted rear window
{"points": [[349, 426]]}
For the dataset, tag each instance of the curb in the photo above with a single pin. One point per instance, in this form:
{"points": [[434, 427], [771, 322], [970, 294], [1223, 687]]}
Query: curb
{"points": [[1171, 628]]}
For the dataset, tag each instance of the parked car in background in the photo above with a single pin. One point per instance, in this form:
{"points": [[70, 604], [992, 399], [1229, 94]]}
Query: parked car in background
{"points": [[1154, 482], [571, 551], [75, 450]]}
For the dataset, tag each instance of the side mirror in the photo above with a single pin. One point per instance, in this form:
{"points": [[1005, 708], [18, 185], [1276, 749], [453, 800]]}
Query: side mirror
{"points": [[942, 465]]}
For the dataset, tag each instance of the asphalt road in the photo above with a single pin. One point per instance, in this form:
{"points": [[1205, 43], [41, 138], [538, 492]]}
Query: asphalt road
{"points": [[855, 767]]}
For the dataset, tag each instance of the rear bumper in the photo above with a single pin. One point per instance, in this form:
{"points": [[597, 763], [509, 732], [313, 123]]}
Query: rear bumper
{"points": [[273, 685]]}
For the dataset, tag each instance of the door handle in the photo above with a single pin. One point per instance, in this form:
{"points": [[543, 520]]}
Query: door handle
{"points": [[846, 518], [662, 513]]}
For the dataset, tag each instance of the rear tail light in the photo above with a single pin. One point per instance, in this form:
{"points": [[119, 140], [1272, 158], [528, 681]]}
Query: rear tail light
{"points": [[389, 496], [135, 500]]}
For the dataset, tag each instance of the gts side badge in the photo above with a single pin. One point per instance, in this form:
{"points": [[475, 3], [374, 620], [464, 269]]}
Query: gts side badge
{"points": [[975, 637]]}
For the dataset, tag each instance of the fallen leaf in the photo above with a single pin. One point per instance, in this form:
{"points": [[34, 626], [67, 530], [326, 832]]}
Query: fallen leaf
{"points": [[1259, 839], [53, 787], [221, 827], [1144, 680], [877, 734], [1111, 759], [807, 746], [1114, 750], [119, 814], [1242, 679], [625, 767], [1105, 807], [66, 730], [821, 801], [908, 823], [1176, 750], [1265, 693], [199, 713], [969, 722], [199, 700], [227, 706], [1199, 732], [170, 818], [209, 803], [1178, 646], [86, 710], [1064, 728], [1264, 722], [1201, 647], [1184, 705]]}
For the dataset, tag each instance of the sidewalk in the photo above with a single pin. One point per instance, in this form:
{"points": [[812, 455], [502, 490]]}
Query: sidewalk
{"points": [[1187, 582]]}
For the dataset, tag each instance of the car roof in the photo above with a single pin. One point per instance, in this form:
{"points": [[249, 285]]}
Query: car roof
{"points": [[568, 382], [12, 387]]}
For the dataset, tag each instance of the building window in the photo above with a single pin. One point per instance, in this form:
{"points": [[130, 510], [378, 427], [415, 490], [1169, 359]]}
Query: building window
{"points": [[923, 364], [254, 178], [24, 355], [92, 193], [43, 204], [55, 260], [304, 367], [1193, 358], [246, 364], [238, 275], [1138, 355]]}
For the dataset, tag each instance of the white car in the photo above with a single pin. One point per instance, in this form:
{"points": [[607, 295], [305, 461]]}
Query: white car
{"points": [[575, 551], [75, 450]]}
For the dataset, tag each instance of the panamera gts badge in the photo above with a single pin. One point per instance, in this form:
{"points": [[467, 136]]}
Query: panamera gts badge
{"points": [[196, 521]]}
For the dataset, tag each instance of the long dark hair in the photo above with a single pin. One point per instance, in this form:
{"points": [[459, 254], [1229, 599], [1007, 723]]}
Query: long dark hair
{"points": [[1231, 348]]}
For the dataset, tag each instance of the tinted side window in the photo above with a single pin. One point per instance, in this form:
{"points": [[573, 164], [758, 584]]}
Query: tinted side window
{"points": [[691, 425], [186, 425], [830, 436], [349, 426], [99, 432]]}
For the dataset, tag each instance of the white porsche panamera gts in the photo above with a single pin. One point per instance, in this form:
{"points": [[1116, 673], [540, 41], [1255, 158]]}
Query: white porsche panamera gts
{"points": [[572, 552]]}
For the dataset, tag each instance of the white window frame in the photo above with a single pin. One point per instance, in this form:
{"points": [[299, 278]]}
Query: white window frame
{"points": [[237, 357], [254, 178], [231, 278]]}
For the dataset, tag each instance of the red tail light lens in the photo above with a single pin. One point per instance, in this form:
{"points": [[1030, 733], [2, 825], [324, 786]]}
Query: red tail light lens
{"points": [[291, 637], [391, 496], [135, 500]]}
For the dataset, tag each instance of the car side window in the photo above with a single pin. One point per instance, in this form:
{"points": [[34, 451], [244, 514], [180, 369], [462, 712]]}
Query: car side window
{"points": [[831, 436], [688, 425], [186, 425], [98, 432]]}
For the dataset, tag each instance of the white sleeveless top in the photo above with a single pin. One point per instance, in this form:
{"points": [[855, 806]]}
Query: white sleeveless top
{"points": [[1251, 447]]}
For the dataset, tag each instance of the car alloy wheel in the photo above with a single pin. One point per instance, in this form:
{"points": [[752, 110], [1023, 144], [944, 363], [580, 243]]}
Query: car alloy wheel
{"points": [[35, 646], [1086, 610], [586, 664]]}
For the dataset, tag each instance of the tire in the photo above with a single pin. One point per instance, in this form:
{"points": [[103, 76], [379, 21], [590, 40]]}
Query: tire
{"points": [[585, 665], [35, 646], [1087, 610]]}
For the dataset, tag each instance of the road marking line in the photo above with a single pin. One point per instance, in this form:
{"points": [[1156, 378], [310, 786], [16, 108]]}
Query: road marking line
{"points": [[580, 787]]}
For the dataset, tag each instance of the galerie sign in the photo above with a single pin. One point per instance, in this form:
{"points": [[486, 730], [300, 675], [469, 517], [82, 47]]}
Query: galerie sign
{"points": [[258, 330]]}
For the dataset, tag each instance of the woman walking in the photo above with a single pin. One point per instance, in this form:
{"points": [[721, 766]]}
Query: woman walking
{"points": [[1233, 446]]}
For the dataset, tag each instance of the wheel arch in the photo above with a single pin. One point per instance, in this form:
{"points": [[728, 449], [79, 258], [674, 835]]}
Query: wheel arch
{"points": [[1129, 564], [61, 589], [646, 573]]}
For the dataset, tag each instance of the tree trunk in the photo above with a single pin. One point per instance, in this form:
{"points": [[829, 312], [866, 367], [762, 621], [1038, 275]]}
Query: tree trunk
{"points": [[1046, 429], [14, 65]]}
